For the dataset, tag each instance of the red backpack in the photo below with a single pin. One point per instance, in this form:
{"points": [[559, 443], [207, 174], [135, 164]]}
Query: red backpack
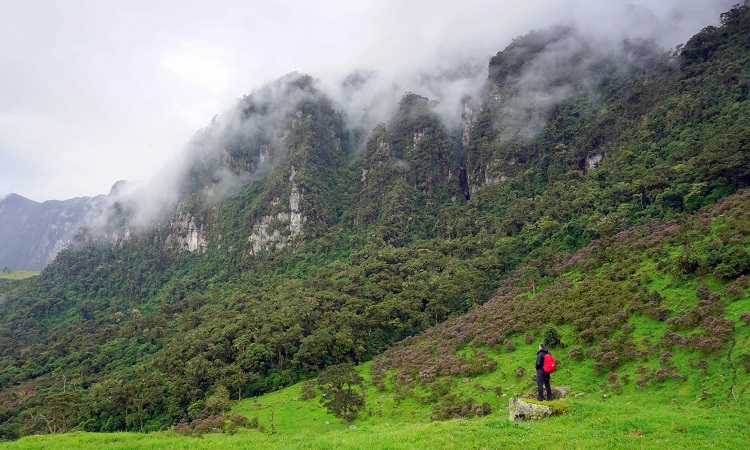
{"points": [[549, 363]]}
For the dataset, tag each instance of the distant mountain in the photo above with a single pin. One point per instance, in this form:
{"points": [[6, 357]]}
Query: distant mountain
{"points": [[33, 233]]}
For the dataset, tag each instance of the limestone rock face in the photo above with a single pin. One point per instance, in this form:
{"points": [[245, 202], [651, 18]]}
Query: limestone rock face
{"points": [[185, 235], [277, 231], [521, 410]]}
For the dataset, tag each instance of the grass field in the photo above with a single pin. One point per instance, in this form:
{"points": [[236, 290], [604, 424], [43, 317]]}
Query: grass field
{"points": [[593, 422], [17, 274]]}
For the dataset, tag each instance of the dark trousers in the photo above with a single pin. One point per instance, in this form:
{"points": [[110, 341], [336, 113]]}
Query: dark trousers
{"points": [[542, 381]]}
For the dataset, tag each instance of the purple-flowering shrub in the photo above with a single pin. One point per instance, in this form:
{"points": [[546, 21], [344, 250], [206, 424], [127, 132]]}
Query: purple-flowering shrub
{"points": [[702, 366], [455, 407], [308, 390], [733, 291], [201, 425], [702, 292], [697, 314], [665, 358]]}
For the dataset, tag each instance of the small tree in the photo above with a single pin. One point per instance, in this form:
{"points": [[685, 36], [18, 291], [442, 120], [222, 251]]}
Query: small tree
{"points": [[343, 391], [218, 402], [551, 336]]}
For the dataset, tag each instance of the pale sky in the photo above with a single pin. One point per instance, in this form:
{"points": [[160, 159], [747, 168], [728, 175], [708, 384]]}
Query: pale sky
{"points": [[96, 91]]}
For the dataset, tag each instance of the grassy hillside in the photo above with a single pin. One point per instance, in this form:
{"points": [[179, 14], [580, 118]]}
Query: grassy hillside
{"points": [[441, 263], [17, 274]]}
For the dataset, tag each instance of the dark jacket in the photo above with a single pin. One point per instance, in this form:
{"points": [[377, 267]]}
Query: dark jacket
{"points": [[540, 360]]}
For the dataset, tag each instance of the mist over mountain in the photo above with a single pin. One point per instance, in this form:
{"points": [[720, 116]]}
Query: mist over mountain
{"points": [[596, 186]]}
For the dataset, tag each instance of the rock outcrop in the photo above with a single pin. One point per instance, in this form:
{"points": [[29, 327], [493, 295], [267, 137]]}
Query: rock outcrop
{"points": [[521, 410], [276, 231]]}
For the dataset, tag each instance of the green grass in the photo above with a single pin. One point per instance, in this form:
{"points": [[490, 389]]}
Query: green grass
{"points": [[17, 274], [626, 421]]}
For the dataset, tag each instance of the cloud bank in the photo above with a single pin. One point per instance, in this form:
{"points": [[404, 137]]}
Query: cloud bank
{"points": [[94, 92]]}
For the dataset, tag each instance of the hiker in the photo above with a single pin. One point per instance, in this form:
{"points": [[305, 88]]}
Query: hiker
{"points": [[542, 377]]}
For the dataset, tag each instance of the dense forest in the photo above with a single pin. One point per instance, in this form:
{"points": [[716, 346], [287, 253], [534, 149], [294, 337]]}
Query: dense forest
{"points": [[300, 241]]}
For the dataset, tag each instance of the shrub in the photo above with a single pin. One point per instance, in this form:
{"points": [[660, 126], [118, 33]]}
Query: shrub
{"points": [[510, 346], [610, 360], [576, 353], [439, 389], [454, 407], [479, 364], [241, 421], [734, 261], [551, 336], [702, 292], [665, 358], [733, 291], [745, 317], [201, 425], [660, 314], [588, 335], [744, 359], [308, 390]]}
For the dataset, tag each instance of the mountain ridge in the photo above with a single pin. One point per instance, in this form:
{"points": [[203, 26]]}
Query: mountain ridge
{"points": [[33, 233]]}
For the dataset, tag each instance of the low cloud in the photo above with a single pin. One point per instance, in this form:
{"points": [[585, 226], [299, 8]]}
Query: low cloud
{"points": [[439, 52]]}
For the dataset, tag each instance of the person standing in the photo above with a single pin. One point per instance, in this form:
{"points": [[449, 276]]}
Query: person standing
{"points": [[542, 377]]}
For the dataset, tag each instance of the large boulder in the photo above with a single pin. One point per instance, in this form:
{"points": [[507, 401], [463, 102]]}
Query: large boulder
{"points": [[521, 410]]}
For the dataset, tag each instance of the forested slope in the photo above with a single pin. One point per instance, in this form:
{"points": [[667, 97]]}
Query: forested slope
{"points": [[297, 244]]}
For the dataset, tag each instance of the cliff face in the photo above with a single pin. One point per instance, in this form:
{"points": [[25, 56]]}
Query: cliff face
{"points": [[274, 156], [33, 233]]}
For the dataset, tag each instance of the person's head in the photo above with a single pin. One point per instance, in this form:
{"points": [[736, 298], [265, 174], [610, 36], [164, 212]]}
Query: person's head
{"points": [[542, 347]]}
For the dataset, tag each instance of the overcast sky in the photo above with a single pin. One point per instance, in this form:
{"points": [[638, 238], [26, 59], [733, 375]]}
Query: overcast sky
{"points": [[95, 91]]}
